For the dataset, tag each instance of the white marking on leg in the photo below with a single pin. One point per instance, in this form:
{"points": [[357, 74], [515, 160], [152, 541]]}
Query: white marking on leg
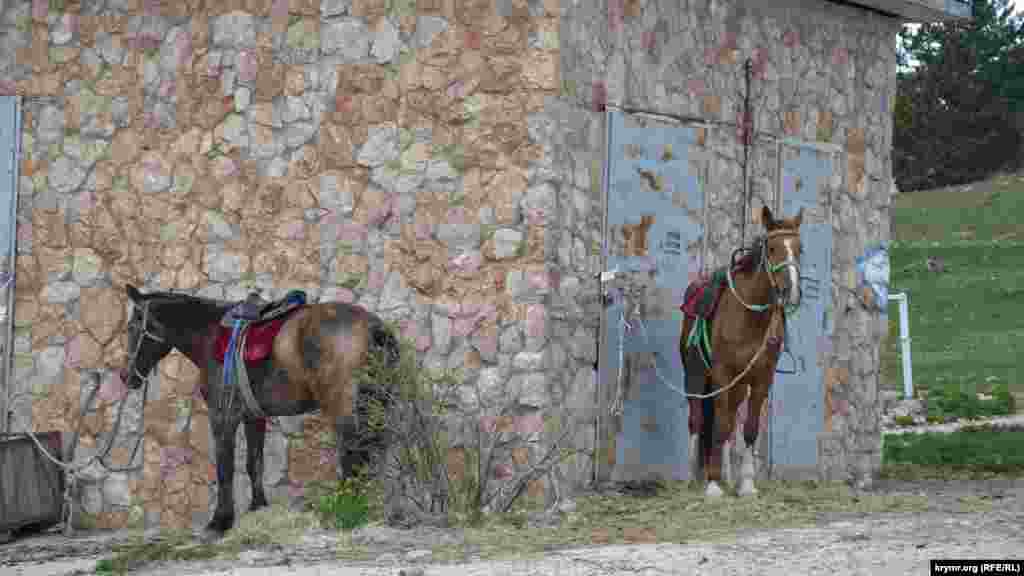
{"points": [[747, 473], [793, 271], [713, 491], [727, 477]]}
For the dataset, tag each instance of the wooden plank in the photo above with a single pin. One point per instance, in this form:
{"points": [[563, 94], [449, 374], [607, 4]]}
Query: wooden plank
{"points": [[921, 10]]}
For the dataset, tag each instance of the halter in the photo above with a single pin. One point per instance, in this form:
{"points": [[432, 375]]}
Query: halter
{"points": [[146, 333], [767, 265]]}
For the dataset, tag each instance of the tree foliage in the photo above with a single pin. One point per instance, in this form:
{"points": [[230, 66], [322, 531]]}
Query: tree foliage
{"points": [[956, 111]]}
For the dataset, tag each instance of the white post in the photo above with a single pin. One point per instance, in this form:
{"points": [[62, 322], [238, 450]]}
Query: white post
{"points": [[908, 374]]}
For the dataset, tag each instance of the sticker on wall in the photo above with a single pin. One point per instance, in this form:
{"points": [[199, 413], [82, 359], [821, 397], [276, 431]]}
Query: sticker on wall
{"points": [[873, 278]]}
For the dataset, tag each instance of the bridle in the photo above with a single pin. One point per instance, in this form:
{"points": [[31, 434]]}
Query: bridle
{"points": [[144, 333], [766, 265]]}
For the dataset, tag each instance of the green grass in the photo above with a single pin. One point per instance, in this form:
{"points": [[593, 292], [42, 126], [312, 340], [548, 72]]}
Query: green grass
{"points": [[963, 327], [979, 452]]}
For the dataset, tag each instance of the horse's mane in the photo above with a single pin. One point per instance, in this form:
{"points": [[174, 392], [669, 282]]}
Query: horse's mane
{"points": [[209, 307], [751, 255]]}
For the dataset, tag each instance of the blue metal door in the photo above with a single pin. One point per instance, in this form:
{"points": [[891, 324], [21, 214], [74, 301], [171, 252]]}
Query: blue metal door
{"points": [[796, 416], [655, 210], [10, 131]]}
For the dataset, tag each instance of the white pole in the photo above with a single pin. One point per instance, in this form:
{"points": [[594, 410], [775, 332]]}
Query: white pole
{"points": [[908, 375]]}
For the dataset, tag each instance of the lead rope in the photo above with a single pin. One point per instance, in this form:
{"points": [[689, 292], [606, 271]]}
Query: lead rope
{"points": [[71, 470]]}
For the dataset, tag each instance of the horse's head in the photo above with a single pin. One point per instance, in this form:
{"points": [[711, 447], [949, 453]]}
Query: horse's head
{"points": [[782, 252], [148, 341]]}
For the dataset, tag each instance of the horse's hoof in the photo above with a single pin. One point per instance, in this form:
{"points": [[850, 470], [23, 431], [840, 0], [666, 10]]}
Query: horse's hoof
{"points": [[257, 504], [747, 489], [713, 491], [218, 527]]}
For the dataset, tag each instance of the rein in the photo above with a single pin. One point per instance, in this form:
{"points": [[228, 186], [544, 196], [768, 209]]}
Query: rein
{"points": [[775, 307]]}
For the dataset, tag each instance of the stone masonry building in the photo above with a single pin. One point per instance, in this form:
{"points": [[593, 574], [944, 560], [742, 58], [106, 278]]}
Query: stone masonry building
{"points": [[445, 163]]}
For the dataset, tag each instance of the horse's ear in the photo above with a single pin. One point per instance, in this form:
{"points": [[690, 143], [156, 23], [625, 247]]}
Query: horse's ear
{"points": [[766, 216], [799, 217], [133, 292]]}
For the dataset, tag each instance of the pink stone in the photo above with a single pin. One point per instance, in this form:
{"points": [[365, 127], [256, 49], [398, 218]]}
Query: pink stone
{"points": [[463, 326], [535, 216], [328, 456], [248, 66], [352, 232], [8, 87], [489, 424], [529, 424], [381, 213], [457, 215], [503, 471], [167, 88], [151, 7], [224, 167], [376, 280], [760, 60], [183, 50], [600, 97], [24, 232], [616, 14], [279, 10], [296, 489], [84, 201], [555, 279], [487, 344], [73, 352], [539, 281], [345, 295], [40, 9], [647, 40], [729, 42], [536, 321], [840, 56], [456, 90], [466, 263], [293, 230], [423, 230], [790, 38], [69, 22], [696, 86], [113, 388], [172, 458], [710, 56]]}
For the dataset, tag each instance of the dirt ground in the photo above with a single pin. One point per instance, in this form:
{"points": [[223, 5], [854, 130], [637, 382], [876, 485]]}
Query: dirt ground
{"points": [[966, 518]]}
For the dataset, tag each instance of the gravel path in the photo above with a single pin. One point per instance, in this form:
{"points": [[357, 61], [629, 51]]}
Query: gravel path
{"points": [[838, 546]]}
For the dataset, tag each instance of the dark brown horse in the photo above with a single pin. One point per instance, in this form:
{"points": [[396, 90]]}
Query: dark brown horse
{"points": [[300, 360], [744, 332]]}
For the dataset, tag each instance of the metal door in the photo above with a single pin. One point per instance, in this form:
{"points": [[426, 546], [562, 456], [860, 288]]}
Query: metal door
{"points": [[655, 210], [796, 416], [10, 131]]}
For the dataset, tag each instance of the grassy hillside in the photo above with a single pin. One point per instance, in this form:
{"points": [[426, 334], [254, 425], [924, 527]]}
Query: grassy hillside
{"points": [[967, 322]]}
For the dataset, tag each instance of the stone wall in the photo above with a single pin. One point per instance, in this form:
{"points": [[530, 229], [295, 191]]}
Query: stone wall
{"points": [[822, 72], [437, 161], [389, 153]]}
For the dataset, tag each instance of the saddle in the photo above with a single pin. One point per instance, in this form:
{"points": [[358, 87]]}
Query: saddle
{"points": [[246, 336], [700, 301]]}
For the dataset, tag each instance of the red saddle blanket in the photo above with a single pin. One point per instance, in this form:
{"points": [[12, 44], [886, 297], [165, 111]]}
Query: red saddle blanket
{"points": [[259, 339], [701, 298]]}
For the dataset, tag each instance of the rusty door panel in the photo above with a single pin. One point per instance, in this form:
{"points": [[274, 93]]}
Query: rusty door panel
{"points": [[796, 412], [655, 214]]}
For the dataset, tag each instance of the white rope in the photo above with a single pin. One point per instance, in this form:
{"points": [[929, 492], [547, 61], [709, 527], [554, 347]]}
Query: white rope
{"points": [[71, 470]]}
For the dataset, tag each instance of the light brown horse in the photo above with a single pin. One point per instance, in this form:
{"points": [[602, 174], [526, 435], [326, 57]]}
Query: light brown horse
{"points": [[299, 361], [745, 333]]}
